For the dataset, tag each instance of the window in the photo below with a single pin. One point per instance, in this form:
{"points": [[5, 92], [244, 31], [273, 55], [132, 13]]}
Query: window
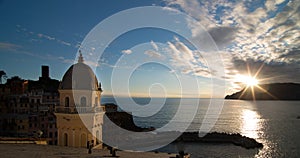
{"points": [[96, 101], [65, 139], [83, 101], [67, 102]]}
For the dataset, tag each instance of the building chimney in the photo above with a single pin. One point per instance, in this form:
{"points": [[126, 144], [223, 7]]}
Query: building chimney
{"points": [[45, 71]]}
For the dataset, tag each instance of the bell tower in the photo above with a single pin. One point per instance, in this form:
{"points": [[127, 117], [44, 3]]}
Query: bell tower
{"points": [[80, 114]]}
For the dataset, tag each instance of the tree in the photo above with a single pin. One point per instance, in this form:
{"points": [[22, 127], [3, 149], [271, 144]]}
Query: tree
{"points": [[2, 75]]}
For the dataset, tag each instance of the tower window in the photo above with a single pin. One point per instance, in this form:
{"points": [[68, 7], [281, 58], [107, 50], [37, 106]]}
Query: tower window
{"points": [[67, 102], [83, 101], [96, 101]]}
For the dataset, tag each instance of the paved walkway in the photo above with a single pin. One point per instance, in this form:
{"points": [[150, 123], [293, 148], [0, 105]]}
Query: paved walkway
{"points": [[49, 151]]}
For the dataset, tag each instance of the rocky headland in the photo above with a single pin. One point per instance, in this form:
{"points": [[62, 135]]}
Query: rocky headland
{"points": [[215, 137], [273, 91]]}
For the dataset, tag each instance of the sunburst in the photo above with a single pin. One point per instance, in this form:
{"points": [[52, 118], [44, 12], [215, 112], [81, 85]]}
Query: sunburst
{"points": [[251, 81]]}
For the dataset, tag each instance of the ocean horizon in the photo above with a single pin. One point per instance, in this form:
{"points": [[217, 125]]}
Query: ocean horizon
{"points": [[273, 123]]}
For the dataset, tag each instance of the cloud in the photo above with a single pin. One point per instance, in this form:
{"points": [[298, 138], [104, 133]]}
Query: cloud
{"points": [[127, 51], [223, 35], [250, 34], [186, 60], [64, 43], [9, 46], [271, 5], [270, 72], [154, 45], [45, 36], [154, 54], [17, 49], [42, 36], [54, 39]]}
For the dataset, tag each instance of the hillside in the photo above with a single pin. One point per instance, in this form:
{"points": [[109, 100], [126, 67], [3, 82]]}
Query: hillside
{"points": [[273, 91]]}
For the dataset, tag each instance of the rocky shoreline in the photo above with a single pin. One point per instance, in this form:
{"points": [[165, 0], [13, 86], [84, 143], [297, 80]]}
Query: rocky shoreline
{"points": [[215, 137]]}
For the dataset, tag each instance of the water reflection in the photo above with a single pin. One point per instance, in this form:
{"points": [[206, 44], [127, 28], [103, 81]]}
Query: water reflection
{"points": [[250, 126]]}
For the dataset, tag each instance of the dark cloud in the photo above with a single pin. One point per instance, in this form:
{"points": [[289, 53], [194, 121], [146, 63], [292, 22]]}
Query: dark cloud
{"points": [[292, 56], [270, 72], [222, 35]]}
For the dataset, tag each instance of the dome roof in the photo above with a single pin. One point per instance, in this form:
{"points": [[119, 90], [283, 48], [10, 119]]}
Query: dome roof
{"points": [[79, 76]]}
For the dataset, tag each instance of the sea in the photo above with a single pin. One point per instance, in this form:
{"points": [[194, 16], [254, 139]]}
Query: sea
{"points": [[276, 124]]}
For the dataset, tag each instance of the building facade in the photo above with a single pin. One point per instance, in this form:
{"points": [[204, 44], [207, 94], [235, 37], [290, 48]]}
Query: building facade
{"points": [[27, 107]]}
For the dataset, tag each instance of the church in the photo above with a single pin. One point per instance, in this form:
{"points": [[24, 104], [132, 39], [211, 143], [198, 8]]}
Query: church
{"points": [[79, 114], [80, 117]]}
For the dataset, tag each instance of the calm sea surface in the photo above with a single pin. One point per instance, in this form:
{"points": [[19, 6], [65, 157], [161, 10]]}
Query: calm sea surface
{"points": [[273, 123]]}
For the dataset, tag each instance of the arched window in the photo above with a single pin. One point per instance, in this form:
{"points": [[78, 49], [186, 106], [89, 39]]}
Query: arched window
{"points": [[67, 102], [83, 101], [96, 101], [83, 140], [65, 139], [97, 137]]}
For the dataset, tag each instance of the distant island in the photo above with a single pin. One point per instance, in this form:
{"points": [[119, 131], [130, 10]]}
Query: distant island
{"points": [[273, 91]]}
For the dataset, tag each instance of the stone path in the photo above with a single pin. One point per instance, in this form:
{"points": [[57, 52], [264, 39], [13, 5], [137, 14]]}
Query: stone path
{"points": [[49, 151]]}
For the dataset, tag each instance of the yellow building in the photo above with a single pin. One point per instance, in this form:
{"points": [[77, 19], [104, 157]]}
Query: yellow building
{"points": [[80, 114]]}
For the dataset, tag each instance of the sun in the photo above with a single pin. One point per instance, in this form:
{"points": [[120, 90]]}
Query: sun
{"points": [[249, 81]]}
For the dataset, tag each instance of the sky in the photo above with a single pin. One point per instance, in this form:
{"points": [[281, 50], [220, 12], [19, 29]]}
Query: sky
{"points": [[254, 38]]}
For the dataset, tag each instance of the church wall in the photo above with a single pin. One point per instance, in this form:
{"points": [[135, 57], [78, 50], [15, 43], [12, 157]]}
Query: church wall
{"points": [[79, 129], [80, 121]]}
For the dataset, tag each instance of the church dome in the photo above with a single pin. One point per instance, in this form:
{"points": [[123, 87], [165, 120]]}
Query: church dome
{"points": [[79, 77]]}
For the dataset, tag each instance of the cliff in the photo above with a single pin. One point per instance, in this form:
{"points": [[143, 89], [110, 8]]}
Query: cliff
{"points": [[274, 91], [125, 121]]}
